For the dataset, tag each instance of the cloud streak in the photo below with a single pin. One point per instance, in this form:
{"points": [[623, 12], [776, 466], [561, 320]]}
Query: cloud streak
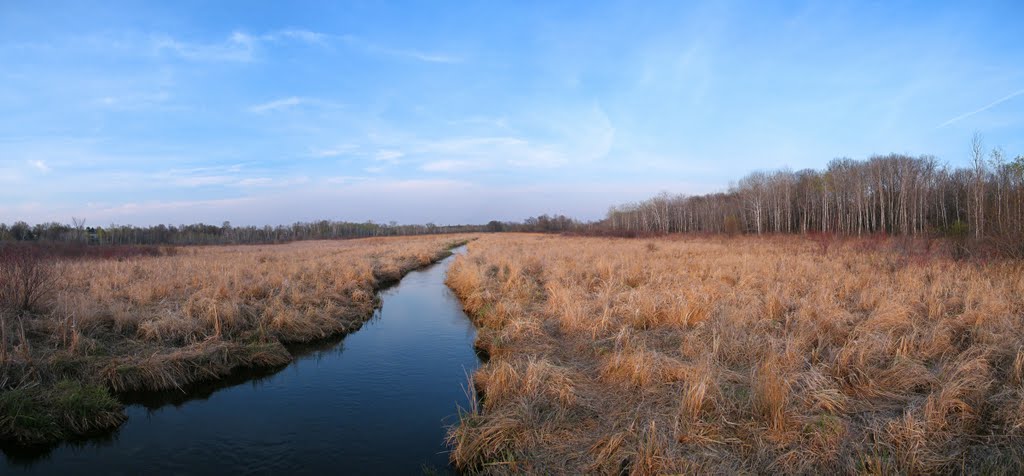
{"points": [[340, 150], [39, 165], [305, 36], [982, 109], [239, 47], [276, 105], [413, 54], [388, 155]]}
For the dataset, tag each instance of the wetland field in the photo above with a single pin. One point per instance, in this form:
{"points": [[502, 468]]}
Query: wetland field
{"points": [[740, 355]]}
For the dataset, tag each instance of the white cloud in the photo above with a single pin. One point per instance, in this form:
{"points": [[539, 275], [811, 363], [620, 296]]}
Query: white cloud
{"points": [[425, 185], [427, 57], [474, 153], [126, 102], [473, 144], [418, 55], [39, 165], [388, 155], [293, 101], [346, 179], [306, 36], [242, 47], [276, 105], [200, 176], [332, 151], [150, 209], [270, 182], [446, 166], [255, 182], [482, 121], [571, 137], [238, 47]]}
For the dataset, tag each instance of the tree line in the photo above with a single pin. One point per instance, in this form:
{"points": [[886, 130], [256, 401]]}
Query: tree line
{"points": [[203, 234], [893, 194]]}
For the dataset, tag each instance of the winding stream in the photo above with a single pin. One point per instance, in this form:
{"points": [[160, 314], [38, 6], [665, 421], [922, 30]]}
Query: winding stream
{"points": [[377, 401]]}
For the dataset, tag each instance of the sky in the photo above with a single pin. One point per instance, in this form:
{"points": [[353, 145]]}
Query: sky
{"points": [[463, 112]]}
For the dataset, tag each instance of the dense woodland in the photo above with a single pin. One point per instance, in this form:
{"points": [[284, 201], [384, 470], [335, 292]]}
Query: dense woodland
{"points": [[78, 232], [212, 234], [892, 194]]}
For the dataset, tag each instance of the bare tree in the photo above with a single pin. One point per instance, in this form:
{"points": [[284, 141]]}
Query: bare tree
{"points": [[978, 192], [893, 194], [79, 224]]}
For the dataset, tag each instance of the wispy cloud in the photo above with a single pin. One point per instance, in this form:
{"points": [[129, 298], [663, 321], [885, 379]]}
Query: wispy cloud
{"points": [[277, 105], [238, 47], [478, 153], [388, 155], [39, 165], [577, 136], [482, 121], [201, 176], [295, 101], [332, 151], [413, 54], [237, 176], [255, 182], [126, 102], [447, 166], [271, 182], [148, 209], [982, 109], [426, 57], [346, 179], [306, 36]]}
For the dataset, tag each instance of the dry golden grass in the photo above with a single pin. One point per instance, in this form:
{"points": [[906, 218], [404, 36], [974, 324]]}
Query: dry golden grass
{"points": [[742, 355], [163, 322]]}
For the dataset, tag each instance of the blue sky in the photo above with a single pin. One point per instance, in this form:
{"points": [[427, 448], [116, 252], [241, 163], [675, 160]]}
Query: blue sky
{"points": [[455, 112]]}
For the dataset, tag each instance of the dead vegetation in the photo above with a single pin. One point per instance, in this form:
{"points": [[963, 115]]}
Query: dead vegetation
{"points": [[739, 355], [162, 322]]}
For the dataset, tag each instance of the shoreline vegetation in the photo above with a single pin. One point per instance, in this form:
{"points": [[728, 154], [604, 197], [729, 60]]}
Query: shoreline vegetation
{"points": [[717, 354], [77, 330]]}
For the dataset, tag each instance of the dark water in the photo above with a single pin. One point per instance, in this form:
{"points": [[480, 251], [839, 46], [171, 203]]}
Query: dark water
{"points": [[376, 402]]}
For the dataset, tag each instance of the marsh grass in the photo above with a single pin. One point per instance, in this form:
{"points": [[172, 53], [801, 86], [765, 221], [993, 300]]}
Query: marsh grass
{"points": [[34, 412], [752, 355], [157, 322]]}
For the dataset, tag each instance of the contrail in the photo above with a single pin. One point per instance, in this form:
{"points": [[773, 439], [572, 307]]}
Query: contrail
{"points": [[989, 106]]}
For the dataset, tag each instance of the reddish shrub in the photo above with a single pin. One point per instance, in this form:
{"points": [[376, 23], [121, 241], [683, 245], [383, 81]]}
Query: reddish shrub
{"points": [[25, 277]]}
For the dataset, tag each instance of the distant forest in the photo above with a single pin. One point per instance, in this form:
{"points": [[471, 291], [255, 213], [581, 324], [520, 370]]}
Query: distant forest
{"points": [[212, 234], [200, 233], [891, 194]]}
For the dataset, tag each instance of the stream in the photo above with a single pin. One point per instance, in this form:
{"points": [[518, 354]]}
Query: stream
{"points": [[378, 400]]}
